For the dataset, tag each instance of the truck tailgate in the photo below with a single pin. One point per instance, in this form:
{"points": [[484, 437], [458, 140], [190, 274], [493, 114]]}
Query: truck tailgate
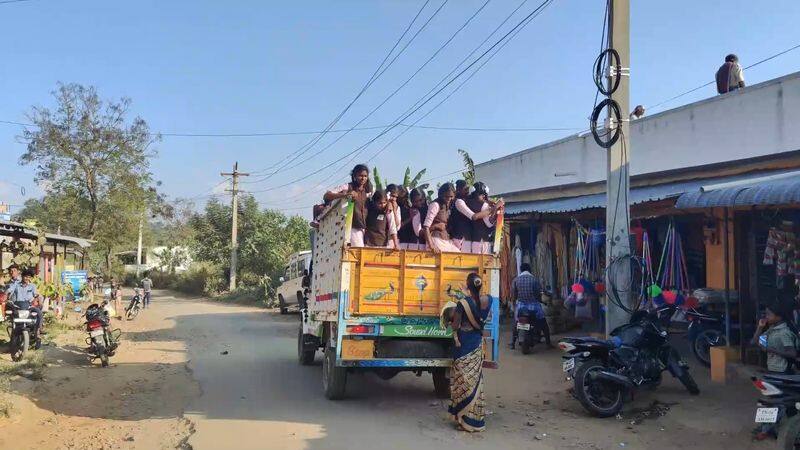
{"points": [[409, 282]]}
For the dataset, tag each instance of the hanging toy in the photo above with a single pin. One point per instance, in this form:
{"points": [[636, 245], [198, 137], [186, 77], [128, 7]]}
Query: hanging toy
{"points": [[680, 300], [654, 290], [600, 288], [658, 300], [577, 288], [670, 297], [691, 302]]}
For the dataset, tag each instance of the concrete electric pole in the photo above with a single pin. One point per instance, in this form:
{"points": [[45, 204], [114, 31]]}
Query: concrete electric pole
{"points": [[618, 215], [234, 219]]}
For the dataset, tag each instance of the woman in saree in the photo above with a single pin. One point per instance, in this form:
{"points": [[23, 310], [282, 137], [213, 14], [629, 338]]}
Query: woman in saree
{"points": [[466, 382]]}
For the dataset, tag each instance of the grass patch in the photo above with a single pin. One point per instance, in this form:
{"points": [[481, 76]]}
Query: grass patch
{"points": [[244, 296], [5, 404]]}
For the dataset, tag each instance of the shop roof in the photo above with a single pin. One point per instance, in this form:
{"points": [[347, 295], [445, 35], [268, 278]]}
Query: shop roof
{"points": [[8, 227], [773, 189], [653, 193]]}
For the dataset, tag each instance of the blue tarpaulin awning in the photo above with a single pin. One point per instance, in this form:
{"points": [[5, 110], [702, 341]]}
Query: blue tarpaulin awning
{"points": [[681, 189], [783, 189]]}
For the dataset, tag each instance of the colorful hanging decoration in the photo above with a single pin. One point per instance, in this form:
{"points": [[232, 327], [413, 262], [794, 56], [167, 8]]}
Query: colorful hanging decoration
{"points": [[672, 272]]}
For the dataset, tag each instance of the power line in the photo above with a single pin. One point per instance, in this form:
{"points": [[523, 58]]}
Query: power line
{"points": [[714, 81], [3, 2], [385, 100], [396, 123], [380, 70]]}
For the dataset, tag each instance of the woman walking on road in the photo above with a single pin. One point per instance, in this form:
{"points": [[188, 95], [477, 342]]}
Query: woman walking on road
{"points": [[466, 383]]}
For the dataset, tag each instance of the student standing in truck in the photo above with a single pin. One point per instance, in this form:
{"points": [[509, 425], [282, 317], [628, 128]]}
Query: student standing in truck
{"points": [[472, 218], [409, 240], [419, 210], [360, 190], [381, 230], [436, 221], [460, 225]]}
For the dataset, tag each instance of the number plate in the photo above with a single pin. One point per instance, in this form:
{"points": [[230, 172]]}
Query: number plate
{"points": [[568, 365], [766, 415], [524, 326], [95, 333]]}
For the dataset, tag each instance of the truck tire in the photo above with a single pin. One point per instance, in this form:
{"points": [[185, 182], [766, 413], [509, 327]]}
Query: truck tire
{"points": [[282, 304], [304, 354], [441, 383], [334, 378]]}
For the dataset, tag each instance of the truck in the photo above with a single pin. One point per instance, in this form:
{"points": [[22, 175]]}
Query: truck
{"points": [[378, 309]]}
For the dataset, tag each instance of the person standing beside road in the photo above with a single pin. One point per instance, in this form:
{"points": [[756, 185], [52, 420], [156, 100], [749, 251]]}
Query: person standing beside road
{"points": [[147, 287], [466, 382], [526, 293], [730, 76]]}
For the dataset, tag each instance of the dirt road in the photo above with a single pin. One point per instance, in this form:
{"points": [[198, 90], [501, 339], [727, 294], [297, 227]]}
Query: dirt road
{"points": [[198, 374]]}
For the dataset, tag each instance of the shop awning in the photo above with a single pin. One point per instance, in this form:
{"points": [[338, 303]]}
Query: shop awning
{"points": [[776, 189], [645, 194]]}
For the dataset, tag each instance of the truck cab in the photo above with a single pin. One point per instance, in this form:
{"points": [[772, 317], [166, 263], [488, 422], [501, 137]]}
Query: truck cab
{"points": [[378, 309]]}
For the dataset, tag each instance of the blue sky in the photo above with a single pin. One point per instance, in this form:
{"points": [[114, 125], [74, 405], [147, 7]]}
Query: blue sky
{"points": [[253, 66]]}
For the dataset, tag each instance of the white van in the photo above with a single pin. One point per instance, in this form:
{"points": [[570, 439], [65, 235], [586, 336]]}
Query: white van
{"points": [[290, 292]]}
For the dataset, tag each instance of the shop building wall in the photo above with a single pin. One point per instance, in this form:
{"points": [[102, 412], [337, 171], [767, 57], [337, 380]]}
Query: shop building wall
{"points": [[757, 121]]}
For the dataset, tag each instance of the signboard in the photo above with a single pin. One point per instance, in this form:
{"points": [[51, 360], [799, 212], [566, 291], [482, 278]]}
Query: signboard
{"points": [[415, 331], [76, 278]]}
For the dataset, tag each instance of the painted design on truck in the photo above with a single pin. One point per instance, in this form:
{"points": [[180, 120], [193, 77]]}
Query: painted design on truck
{"points": [[421, 283], [415, 331], [380, 293]]}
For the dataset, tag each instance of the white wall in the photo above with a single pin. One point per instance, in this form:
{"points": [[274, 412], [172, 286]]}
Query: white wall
{"points": [[757, 121]]}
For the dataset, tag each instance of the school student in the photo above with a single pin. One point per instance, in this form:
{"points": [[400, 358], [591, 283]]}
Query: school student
{"points": [[460, 226], [435, 227], [411, 229], [392, 196], [482, 215], [360, 190], [381, 229]]}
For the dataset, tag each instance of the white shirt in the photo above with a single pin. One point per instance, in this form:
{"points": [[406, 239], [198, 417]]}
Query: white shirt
{"points": [[433, 210], [462, 207]]}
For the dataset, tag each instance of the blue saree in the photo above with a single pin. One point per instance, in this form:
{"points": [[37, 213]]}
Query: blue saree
{"points": [[466, 385]]}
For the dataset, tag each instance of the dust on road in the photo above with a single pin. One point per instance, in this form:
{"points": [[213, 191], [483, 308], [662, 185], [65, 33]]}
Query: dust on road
{"points": [[198, 374]]}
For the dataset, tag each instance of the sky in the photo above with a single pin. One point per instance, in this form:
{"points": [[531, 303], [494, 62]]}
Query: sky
{"points": [[248, 67]]}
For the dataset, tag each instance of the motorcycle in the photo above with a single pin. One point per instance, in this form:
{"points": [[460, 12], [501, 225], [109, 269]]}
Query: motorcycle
{"points": [[528, 332], [778, 405], [705, 330], [135, 305], [22, 329], [606, 372], [102, 341]]}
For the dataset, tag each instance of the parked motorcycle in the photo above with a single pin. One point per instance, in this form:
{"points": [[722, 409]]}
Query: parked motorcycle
{"points": [[102, 341], [706, 330], [22, 329], [607, 372], [133, 308], [778, 405], [528, 332]]}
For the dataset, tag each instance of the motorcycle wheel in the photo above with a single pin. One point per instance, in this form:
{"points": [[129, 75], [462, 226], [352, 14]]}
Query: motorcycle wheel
{"points": [[688, 382], [701, 346], [789, 434], [600, 399], [100, 351], [525, 342], [23, 345], [132, 313]]}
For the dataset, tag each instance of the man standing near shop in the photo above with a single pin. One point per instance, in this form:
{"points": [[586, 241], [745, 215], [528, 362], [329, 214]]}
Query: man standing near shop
{"points": [[526, 292], [147, 286]]}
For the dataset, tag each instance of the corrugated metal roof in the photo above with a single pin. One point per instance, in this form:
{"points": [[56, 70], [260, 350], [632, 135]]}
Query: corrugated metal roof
{"points": [[9, 225], [637, 195], [760, 192]]}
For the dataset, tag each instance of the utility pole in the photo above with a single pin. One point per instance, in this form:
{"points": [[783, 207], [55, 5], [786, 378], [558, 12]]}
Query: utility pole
{"points": [[234, 219], [139, 249], [618, 215]]}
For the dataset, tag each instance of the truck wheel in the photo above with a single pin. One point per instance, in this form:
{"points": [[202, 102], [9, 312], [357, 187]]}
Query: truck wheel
{"points": [[282, 304], [334, 378], [304, 354], [441, 383]]}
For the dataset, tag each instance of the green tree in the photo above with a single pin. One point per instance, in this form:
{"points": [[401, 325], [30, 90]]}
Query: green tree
{"points": [[94, 165], [469, 167]]}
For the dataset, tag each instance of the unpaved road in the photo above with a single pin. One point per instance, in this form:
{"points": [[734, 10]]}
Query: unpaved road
{"points": [[197, 374]]}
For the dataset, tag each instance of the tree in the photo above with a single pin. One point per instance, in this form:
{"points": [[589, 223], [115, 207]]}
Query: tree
{"points": [[469, 167], [94, 165]]}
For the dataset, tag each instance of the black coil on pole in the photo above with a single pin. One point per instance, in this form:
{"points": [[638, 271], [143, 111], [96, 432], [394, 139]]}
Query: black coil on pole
{"points": [[607, 58], [616, 117]]}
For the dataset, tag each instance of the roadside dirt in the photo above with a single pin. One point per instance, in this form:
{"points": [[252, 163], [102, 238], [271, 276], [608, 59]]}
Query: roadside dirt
{"points": [[136, 403], [198, 374]]}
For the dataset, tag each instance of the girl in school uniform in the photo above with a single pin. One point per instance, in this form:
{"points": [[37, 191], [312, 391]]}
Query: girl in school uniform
{"points": [[460, 226], [405, 231], [435, 225], [416, 212], [381, 230], [484, 217], [393, 197], [360, 190]]}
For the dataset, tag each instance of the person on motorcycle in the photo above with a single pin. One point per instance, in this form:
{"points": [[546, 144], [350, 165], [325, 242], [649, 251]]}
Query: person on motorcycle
{"points": [[25, 291], [526, 293]]}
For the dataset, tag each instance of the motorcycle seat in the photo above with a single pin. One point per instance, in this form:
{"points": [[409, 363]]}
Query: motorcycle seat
{"points": [[781, 377]]}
